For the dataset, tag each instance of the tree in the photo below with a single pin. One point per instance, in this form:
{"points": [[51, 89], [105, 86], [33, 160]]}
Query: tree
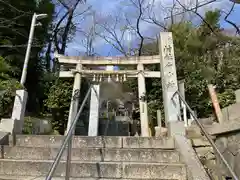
{"points": [[203, 56], [61, 33], [14, 29], [58, 101], [8, 87], [58, 97]]}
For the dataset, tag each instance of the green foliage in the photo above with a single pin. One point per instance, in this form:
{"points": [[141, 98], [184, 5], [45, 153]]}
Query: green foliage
{"points": [[58, 102], [28, 126], [203, 55], [31, 126], [59, 95], [15, 21], [226, 98], [8, 86], [7, 93]]}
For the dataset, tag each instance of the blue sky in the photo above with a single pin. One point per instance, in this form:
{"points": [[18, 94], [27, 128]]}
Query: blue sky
{"points": [[105, 7], [233, 17]]}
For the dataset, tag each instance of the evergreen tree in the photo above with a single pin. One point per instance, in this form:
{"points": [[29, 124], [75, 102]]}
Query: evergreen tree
{"points": [[15, 22], [204, 54]]}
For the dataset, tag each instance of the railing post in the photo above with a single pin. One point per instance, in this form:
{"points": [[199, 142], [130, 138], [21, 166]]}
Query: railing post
{"points": [[207, 135], [67, 139], [181, 88], [69, 157]]}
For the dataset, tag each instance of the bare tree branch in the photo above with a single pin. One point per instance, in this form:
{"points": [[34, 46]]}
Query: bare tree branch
{"points": [[230, 22], [191, 9], [70, 14], [110, 35], [199, 15], [153, 20], [140, 4], [83, 12], [66, 31], [13, 7], [64, 4], [55, 32]]}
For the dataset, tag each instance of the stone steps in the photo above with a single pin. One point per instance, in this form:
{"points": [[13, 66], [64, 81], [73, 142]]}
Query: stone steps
{"points": [[93, 154], [128, 170], [102, 158], [96, 142], [61, 178]]}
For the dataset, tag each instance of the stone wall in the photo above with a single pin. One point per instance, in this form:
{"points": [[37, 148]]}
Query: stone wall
{"points": [[107, 128], [231, 112], [227, 138], [229, 145], [33, 125], [113, 128], [203, 150]]}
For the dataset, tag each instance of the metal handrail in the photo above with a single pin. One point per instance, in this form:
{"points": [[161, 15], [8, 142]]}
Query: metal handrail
{"points": [[68, 140], [207, 135]]}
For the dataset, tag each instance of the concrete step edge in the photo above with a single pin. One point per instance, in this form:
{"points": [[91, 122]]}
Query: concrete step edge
{"points": [[92, 154], [8, 177], [97, 141], [94, 148], [110, 170], [91, 162], [91, 137]]}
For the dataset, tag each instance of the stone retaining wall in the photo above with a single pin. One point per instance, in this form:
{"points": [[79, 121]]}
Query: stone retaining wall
{"points": [[204, 152], [227, 139], [229, 145]]}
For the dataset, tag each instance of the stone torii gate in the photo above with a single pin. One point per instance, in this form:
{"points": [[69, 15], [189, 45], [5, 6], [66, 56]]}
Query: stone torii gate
{"points": [[167, 74]]}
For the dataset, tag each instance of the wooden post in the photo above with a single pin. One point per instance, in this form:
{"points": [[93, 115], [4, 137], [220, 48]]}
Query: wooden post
{"points": [[159, 118], [215, 102]]}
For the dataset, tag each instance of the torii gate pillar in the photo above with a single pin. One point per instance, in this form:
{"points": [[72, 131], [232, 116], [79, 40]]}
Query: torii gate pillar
{"points": [[75, 98], [143, 102]]}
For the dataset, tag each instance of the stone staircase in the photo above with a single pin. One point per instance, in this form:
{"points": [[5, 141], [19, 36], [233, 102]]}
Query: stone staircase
{"points": [[104, 158]]}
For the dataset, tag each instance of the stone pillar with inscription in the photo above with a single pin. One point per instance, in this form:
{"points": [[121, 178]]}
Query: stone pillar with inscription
{"points": [[94, 107], [143, 102], [16, 123], [17, 120], [94, 111], [168, 77]]}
